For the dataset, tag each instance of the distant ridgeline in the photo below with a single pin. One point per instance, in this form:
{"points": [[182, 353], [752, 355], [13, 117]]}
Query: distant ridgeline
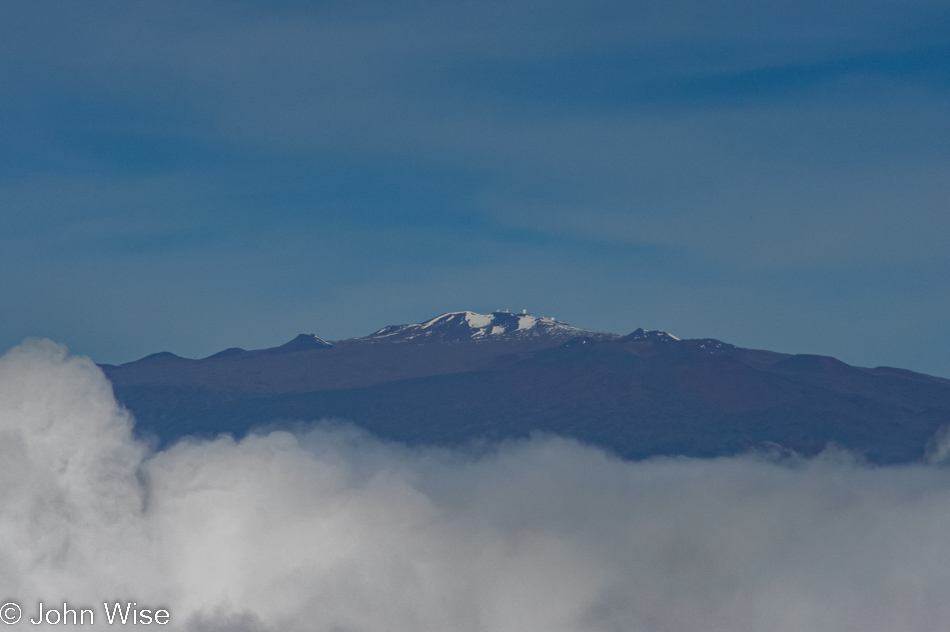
{"points": [[465, 377]]}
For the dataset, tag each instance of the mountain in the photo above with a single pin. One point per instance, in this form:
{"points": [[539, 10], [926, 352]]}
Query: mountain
{"points": [[464, 377]]}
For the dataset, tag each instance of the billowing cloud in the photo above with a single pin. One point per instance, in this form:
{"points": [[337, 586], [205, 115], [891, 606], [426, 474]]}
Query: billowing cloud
{"points": [[329, 529]]}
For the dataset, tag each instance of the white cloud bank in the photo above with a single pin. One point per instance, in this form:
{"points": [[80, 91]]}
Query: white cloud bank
{"points": [[330, 530]]}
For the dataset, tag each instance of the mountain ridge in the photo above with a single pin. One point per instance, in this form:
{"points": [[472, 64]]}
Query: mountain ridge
{"points": [[454, 379]]}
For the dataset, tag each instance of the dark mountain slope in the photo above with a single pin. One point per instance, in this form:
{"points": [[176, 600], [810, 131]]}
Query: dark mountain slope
{"points": [[645, 394]]}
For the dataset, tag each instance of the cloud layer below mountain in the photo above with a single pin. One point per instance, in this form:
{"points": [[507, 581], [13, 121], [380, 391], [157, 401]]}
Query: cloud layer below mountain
{"points": [[328, 529]]}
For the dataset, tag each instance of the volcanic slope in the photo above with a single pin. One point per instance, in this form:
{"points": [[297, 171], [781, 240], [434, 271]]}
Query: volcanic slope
{"points": [[465, 377]]}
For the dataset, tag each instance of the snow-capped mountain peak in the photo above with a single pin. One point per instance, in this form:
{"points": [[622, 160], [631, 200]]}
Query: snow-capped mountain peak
{"points": [[472, 326]]}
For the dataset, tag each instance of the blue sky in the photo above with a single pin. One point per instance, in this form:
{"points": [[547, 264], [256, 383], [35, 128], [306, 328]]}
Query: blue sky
{"points": [[191, 176]]}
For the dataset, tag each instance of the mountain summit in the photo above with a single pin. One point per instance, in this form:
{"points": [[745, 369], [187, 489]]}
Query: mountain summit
{"points": [[471, 326], [303, 342]]}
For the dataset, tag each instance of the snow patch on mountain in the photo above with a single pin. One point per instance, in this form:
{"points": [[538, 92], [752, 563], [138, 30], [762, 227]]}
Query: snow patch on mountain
{"points": [[526, 322], [477, 321]]}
